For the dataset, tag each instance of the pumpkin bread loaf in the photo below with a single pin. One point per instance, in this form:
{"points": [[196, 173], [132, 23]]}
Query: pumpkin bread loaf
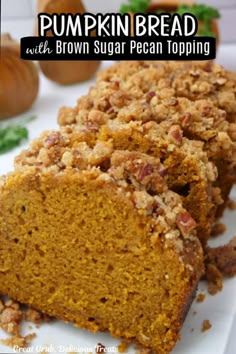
{"points": [[187, 169], [201, 99], [102, 237]]}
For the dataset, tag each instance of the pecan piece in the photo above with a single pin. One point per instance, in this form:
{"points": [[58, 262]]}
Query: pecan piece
{"points": [[176, 134], [186, 119], [149, 96], [92, 126], [144, 171], [115, 85], [51, 140], [185, 223]]}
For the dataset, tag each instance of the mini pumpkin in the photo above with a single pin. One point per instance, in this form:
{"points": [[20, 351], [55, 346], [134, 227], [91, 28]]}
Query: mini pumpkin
{"points": [[66, 72], [19, 81]]}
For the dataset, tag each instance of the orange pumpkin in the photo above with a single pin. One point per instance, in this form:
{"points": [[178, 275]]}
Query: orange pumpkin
{"points": [[66, 72], [19, 80]]}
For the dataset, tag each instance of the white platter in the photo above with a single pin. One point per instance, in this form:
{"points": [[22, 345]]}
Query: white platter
{"points": [[58, 337]]}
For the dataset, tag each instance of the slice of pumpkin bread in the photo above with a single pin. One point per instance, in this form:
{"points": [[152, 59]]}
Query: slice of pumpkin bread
{"points": [[188, 170], [95, 237], [199, 98]]}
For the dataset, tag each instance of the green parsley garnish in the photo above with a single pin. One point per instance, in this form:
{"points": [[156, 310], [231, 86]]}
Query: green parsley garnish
{"points": [[202, 12], [11, 137], [135, 6]]}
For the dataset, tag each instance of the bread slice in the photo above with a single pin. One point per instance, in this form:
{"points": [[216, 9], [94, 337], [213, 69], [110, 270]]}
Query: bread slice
{"points": [[199, 98], [187, 168], [95, 237]]}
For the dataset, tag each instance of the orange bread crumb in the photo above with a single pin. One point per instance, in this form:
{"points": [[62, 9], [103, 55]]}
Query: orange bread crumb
{"points": [[206, 325]]}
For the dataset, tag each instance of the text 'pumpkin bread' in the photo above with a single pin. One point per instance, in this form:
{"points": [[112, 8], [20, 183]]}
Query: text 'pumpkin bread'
{"points": [[95, 237]]}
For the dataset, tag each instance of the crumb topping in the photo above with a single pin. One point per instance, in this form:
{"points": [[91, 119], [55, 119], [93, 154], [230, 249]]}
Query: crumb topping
{"points": [[218, 229], [223, 258], [201, 297], [12, 313], [206, 325], [197, 99]]}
